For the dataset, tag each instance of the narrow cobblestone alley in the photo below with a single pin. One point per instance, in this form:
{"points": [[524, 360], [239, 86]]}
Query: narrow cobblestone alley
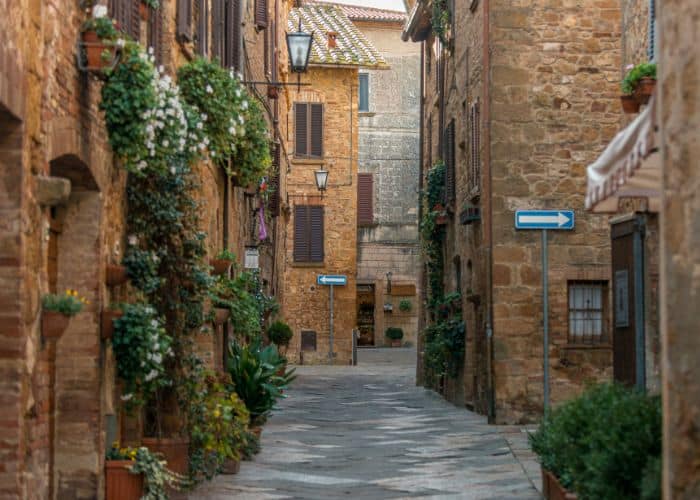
{"points": [[369, 432]]}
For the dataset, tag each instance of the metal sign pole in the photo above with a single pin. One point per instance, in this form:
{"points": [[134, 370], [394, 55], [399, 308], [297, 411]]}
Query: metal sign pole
{"points": [[330, 346], [545, 300]]}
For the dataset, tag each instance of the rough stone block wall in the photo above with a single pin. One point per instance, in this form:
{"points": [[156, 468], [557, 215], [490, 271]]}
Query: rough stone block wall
{"points": [[679, 95], [306, 305]]}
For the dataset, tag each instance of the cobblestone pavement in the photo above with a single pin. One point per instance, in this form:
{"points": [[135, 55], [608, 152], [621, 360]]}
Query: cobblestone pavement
{"points": [[369, 432]]}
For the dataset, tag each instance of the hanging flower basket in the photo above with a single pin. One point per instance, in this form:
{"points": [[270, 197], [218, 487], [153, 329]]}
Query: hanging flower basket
{"points": [[220, 266], [98, 53], [644, 89], [116, 275], [221, 315], [53, 324], [630, 104], [107, 322], [120, 483]]}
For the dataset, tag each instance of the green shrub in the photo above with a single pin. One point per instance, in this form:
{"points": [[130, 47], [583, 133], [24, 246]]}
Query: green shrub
{"points": [[405, 305], [643, 70], [651, 480], [598, 444], [279, 333], [394, 333]]}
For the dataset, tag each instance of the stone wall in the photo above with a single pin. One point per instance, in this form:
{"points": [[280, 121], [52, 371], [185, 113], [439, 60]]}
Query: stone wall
{"points": [[388, 149], [679, 95], [306, 306]]}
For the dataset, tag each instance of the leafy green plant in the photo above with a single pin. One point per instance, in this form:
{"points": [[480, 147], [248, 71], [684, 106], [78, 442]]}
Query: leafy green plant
{"points": [[156, 475], [142, 268], [154, 4], [433, 235], [226, 254], [218, 421], [253, 371], [599, 444], [235, 295], [68, 303], [441, 20], [142, 350], [103, 26], [405, 305], [444, 349], [251, 159], [650, 488], [279, 334], [642, 70], [117, 452], [394, 333]]}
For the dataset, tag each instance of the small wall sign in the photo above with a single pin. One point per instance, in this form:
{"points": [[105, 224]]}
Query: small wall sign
{"points": [[252, 258]]}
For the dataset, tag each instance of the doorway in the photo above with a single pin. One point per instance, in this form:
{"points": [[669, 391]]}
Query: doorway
{"points": [[365, 315]]}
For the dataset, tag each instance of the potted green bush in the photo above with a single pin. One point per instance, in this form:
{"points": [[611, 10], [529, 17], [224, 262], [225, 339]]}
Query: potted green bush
{"points": [[280, 334], [222, 262], [395, 334], [638, 86], [57, 310], [405, 305], [99, 37]]}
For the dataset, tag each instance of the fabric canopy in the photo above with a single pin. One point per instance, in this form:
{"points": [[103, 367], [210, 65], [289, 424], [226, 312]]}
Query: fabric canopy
{"points": [[630, 167]]}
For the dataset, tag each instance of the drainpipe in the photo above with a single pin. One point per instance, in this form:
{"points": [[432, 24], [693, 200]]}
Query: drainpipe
{"points": [[421, 158], [487, 198]]}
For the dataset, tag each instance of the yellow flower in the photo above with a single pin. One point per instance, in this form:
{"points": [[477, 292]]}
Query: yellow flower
{"points": [[217, 413]]}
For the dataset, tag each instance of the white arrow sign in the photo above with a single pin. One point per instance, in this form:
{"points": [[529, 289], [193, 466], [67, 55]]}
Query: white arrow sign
{"points": [[559, 219], [332, 279]]}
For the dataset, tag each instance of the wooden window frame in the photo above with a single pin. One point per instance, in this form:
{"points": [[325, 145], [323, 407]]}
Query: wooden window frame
{"points": [[360, 78], [308, 236], [310, 136], [261, 14]]}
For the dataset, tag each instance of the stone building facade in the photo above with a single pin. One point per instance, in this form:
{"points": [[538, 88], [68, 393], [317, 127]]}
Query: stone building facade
{"points": [[524, 96], [62, 206], [322, 235]]}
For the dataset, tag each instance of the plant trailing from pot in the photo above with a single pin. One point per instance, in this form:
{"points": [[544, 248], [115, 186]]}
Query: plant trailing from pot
{"points": [[280, 334], [405, 305], [218, 424], [100, 40], [156, 475], [441, 20], [120, 482], [639, 83], [253, 370], [57, 309], [222, 262], [234, 294], [444, 349], [395, 334], [142, 266], [142, 350]]}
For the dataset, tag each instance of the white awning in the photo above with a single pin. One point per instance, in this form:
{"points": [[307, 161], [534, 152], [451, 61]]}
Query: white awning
{"points": [[630, 167]]}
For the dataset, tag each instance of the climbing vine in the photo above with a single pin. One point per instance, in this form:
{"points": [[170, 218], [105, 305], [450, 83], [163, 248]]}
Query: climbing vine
{"points": [[441, 20]]}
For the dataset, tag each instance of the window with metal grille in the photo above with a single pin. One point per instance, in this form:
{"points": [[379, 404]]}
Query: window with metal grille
{"points": [[308, 130], [587, 324], [449, 156], [364, 92], [365, 199], [475, 148], [126, 13], [273, 201], [651, 49], [308, 233]]}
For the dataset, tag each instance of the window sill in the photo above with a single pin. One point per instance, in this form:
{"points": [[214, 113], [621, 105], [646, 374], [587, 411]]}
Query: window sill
{"points": [[307, 161], [587, 346], [308, 264], [368, 114]]}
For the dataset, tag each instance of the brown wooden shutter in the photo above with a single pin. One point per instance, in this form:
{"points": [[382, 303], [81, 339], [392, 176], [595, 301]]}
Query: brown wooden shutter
{"points": [[365, 199], [155, 34], [218, 19], [202, 16], [273, 202], [316, 130], [261, 13], [301, 231], [236, 34], [316, 230], [301, 129], [135, 19], [450, 162], [184, 20]]}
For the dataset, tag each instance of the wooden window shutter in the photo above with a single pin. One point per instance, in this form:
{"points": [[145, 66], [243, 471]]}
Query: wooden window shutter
{"points": [[134, 18], [202, 15], [301, 234], [184, 20], [218, 19], [155, 34], [301, 129], [261, 13], [126, 14], [231, 35], [449, 144], [316, 230], [273, 203], [365, 199], [316, 130], [475, 147]]}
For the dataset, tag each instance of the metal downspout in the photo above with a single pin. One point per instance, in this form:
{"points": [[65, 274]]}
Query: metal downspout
{"points": [[421, 158], [640, 341]]}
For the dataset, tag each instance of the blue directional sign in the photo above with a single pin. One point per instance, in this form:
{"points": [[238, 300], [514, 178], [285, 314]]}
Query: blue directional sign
{"points": [[331, 279], [544, 219]]}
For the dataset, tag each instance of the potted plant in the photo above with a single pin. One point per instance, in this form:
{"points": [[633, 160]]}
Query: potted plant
{"points": [[107, 321], [57, 310], [638, 85], [157, 475], [99, 36], [280, 334], [395, 334], [120, 482], [222, 262], [116, 275], [405, 305]]}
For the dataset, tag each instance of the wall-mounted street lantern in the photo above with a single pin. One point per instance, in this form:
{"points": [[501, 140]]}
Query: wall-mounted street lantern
{"points": [[321, 176], [299, 47]]}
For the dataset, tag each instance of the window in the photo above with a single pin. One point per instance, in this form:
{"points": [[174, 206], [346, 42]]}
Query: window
{"points": [[308, 233], [365, 199], [155, 33], [308, 130], [273, 200], [364, 92], [261, 14], [651, 49], [475, 148], [587, 312], [202, 15], [449, 156], [126, 13], [184, 20]]}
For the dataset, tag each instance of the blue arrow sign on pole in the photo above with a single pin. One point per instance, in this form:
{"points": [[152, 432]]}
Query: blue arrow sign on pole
{"points": [[331, 279], [544, 219]]}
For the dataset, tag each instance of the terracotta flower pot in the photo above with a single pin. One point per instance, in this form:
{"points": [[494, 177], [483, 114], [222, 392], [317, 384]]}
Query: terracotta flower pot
{"points": [[94, 47], [221, 315], [644, 89], [630, 104], [53, 324], [120, 484], [107, 322], [221, 266], [231, 466], [175, 451], [116, 275], [552, 488], [272, 92], [144, 11]]}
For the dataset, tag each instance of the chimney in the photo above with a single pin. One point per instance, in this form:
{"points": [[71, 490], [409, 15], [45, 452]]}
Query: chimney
{"points": [[332, 39]]}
